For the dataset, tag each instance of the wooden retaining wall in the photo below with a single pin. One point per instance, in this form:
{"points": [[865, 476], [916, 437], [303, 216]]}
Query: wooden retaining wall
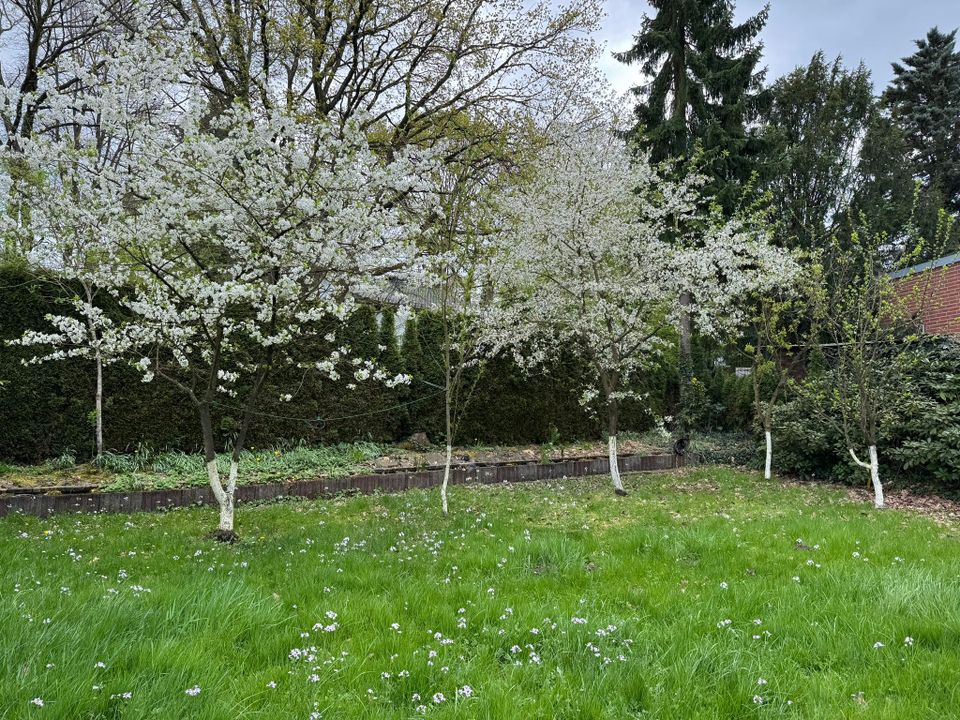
{"points": [[153, 500]]}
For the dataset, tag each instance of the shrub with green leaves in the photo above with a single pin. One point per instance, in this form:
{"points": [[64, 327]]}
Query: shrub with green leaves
{"points": [[931, 444]]}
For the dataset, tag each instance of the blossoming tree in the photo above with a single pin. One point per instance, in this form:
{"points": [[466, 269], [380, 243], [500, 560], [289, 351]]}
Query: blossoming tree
{"points": [[590, 259], [226, 240]]}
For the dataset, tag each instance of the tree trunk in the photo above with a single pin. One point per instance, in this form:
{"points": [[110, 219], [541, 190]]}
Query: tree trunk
{"points": [[98, 411], [615, 465], [447, 404], [613, 419], [875, 477], [446, 478], [874, 467], [685, 363], [224, 496], [766, 467]]}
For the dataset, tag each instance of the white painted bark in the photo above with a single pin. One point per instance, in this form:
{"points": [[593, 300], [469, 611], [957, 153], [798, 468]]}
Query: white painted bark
{"points": [[446, 478], [226, 508], [874, 467], [99, 408], [766, 467], [614, 464], [875, 477], [223, 495]]}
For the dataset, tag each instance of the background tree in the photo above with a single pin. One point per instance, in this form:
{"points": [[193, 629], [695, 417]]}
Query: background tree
{"points": [[581, 263], [588, 261], [704, 88], [815, 124], [924, 100]]}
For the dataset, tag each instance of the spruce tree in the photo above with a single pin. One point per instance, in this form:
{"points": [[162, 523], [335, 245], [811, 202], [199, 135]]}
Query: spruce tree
{"points": [[705, 87], [924, 100]]}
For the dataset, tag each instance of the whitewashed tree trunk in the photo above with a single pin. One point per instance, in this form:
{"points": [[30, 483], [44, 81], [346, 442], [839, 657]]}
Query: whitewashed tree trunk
{"points": [[614, 465], [875, 477], [99, 408], [224, 495], [767, 464], [874, 467], [446, 478]]}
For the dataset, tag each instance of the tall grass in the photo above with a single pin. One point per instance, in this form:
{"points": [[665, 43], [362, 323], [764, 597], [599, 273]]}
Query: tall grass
{"points": [[704, 594]]}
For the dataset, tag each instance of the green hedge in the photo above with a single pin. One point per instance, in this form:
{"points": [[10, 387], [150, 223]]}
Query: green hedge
{"points": [[46, 410]]}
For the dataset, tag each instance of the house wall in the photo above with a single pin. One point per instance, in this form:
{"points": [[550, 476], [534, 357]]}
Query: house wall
{"points": [[933, 296]]}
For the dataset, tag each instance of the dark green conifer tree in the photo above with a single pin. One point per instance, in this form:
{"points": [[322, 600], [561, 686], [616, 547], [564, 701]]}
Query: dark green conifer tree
{"points": [[924, 100]]}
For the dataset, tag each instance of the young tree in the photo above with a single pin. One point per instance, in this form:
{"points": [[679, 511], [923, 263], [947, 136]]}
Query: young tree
{"points": [[458, 255], [89, 333], [589, 260], [870, 329], [781, 329]]}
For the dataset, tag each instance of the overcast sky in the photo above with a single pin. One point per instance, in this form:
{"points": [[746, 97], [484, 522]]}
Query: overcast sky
{"points": [[875, 31]]}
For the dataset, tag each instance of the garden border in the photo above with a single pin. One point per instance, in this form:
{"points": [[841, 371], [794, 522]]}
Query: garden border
{"points": [[155, 500]]}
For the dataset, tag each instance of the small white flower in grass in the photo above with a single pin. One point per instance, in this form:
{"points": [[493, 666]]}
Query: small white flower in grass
{"points": [[723, 586], [908, 641], [193, 692], [761, 681], [724, 623], [438, 698], [272, 685], [878, 645], [757, 700], [37, 701], [466, 691], [578, 620], [796, 578]]}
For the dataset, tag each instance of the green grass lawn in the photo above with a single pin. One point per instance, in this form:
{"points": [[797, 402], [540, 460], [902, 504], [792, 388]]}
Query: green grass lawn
{"points": [[708, 594]]}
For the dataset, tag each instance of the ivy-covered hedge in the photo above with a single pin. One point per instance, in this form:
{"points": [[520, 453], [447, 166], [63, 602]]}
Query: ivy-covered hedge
{"points": [[46, 410]]}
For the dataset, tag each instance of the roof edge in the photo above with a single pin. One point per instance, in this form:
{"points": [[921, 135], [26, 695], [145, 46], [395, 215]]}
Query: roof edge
{"points": [[929, 265]]}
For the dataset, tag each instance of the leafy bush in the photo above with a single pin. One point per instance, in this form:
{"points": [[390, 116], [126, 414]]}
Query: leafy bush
{"points": [[931, 444], [919, 432]]}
